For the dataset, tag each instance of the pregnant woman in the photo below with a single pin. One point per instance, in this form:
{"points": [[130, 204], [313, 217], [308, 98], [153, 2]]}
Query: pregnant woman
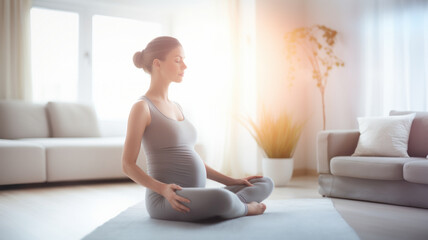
{"points": [[176, 174]]}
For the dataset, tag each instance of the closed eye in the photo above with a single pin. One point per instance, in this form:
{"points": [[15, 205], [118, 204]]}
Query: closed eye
{"points": [[178, 59]]}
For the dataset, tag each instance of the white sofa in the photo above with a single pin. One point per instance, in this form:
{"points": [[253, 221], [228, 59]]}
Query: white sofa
{"points": [[56, 142]]}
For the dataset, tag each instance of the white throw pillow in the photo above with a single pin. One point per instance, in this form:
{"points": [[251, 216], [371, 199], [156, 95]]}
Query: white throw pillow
{"points": [[384, 136]]}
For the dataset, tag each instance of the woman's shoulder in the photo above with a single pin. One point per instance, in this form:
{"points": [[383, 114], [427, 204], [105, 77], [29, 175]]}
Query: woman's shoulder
{"points": [[139, 118], [142, 104], [141, 108]]}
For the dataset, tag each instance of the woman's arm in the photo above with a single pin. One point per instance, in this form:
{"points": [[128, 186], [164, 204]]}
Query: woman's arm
{"points": [[218, 177], [139, 118], [221, 178]]}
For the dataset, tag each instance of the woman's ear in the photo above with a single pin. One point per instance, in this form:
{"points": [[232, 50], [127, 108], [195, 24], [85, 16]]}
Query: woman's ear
{"points": [[156, 63]]}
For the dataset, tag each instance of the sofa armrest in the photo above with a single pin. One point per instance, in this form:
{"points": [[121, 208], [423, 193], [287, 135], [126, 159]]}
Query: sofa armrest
{"points": [[334, 143]]}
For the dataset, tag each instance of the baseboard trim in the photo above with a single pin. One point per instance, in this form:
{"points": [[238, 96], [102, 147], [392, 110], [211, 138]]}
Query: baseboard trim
{"points": [[304, 172]]}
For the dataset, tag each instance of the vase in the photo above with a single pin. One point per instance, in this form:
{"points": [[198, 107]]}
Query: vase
{"points": [[279, 169]]}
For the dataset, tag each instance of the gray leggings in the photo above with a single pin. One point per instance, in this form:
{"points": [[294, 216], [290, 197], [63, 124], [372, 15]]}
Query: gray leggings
{"points": [[226, 202]]}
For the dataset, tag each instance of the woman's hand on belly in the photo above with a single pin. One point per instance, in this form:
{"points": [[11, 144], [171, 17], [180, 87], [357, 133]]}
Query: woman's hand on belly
{"points": [[168, 192]]}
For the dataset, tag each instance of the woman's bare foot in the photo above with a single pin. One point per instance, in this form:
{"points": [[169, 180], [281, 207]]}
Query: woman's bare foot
{"points": [[255, 208]]}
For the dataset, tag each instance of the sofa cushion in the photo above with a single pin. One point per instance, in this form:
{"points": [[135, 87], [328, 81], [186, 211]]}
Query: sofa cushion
{"points": [[384, 136], [416, 171], [378, 168], [21, 162], [72, 120], [418, 140], [19, 119]]}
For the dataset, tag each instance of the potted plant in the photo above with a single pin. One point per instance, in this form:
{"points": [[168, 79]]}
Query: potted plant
{"points": [[278, 137]]}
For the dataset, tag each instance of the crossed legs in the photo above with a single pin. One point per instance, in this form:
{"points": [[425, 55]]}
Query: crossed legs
{"points": [[228, 202]]}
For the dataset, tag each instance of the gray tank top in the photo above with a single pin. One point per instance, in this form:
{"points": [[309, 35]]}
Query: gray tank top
{"points": [[169, 146]]}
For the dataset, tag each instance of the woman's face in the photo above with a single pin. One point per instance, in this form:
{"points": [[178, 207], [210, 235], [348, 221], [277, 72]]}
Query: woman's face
{"points": [[172, 68]]}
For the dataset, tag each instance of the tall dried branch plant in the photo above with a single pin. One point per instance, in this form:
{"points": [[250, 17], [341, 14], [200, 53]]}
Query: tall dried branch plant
{"points": [[315, 44], [277, 136]]}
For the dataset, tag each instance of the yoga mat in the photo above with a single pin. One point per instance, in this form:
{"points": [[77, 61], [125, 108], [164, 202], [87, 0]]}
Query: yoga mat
{"points": [[283, 219]]}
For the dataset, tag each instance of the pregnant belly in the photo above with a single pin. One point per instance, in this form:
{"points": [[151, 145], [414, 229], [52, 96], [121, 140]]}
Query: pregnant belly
{"points": [[180, 166]]}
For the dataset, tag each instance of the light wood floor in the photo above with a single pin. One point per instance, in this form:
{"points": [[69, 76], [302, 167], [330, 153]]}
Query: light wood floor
{"points": [[70, 211]]}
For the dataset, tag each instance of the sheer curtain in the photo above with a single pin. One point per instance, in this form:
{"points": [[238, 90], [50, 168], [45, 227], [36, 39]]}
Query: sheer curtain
{"points": [[241, 156], [218, 40], [15, 82], [395, 37]]}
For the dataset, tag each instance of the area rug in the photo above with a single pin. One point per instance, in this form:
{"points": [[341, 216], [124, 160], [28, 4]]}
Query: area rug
{"points": [[283, 219]]}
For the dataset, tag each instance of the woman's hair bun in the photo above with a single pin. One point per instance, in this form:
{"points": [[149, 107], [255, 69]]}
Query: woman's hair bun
{"points": [[158, 48], [138, 59]]}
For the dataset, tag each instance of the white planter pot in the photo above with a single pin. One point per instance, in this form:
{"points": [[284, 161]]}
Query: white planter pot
{"points": [[279, 169]]}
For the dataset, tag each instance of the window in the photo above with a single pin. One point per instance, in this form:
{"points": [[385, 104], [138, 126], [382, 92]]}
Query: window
{"points": [[116, 81], [54, 53], [79, 56]]}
